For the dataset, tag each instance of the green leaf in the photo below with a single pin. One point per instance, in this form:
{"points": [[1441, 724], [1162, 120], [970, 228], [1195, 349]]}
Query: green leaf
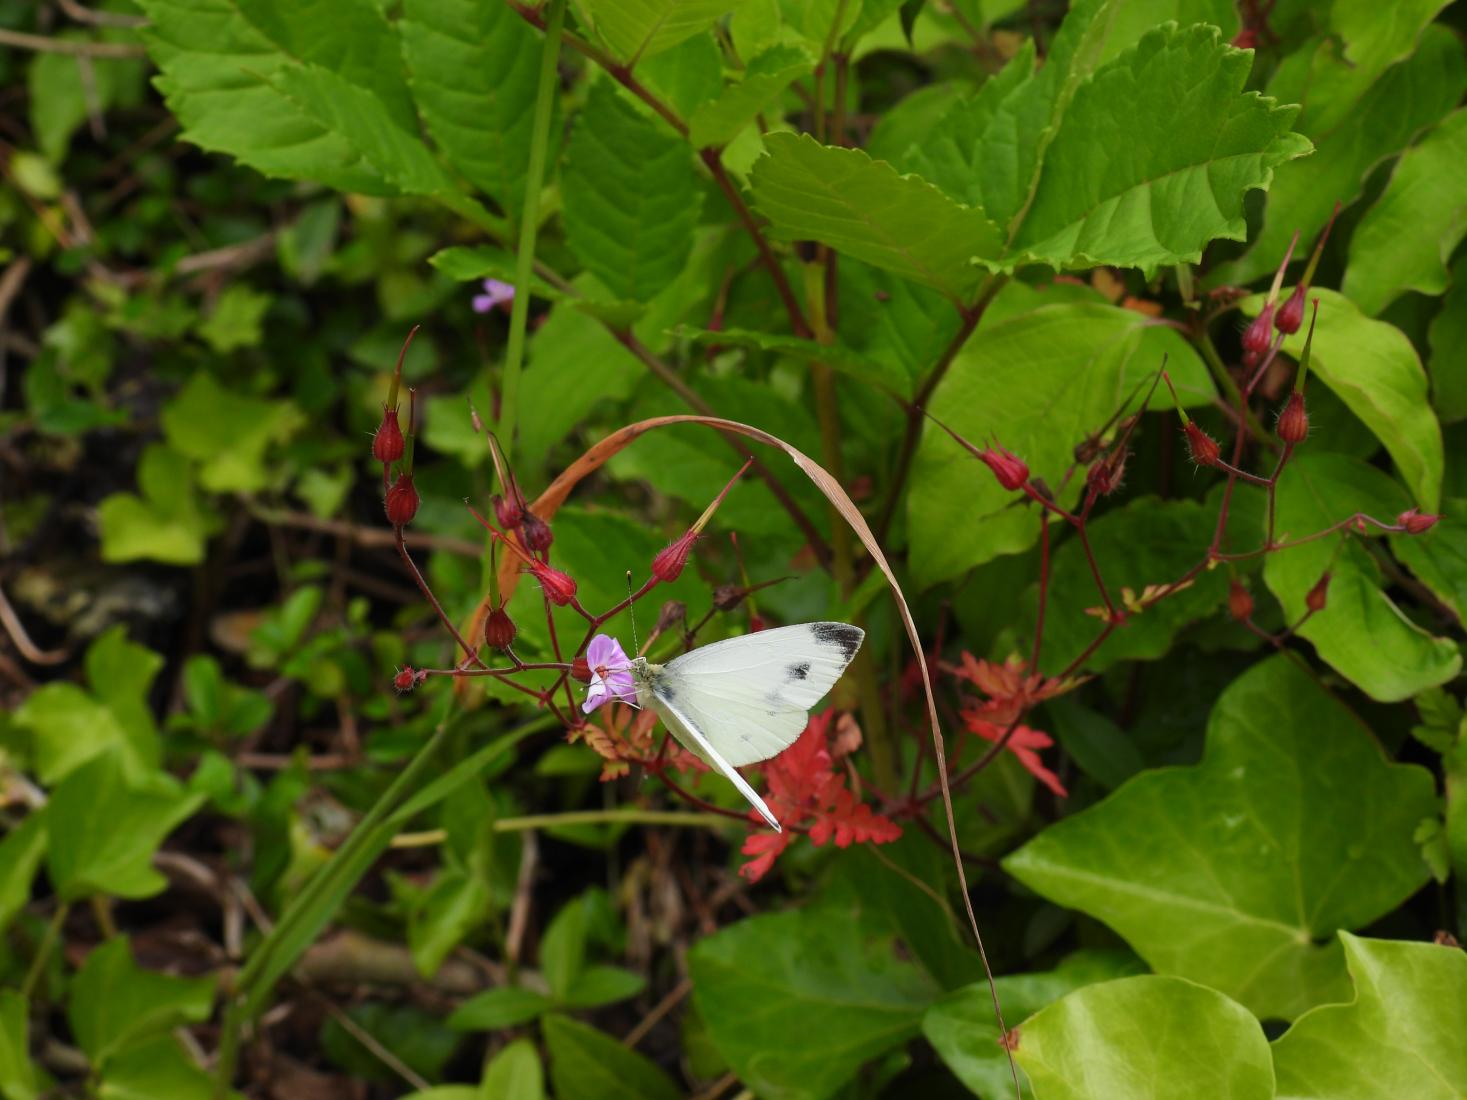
{"points": [[686, 76], [764, 81], [1148, 542], [636, 29], [1374, 369], [457, 903], [17, 1074], [631, 197], [863, 208], [474, 68], [1355, 121], [309, 92], [1439, 557], [115, 1003], [499, 1008], [1405, 241], [836, 356], [1039, 383], [236, 319], [1400, 1036], [964, 1032], [1146, 1038], [587, 1062], [167, 523], [1232, 871], [105, 826], [603, 985], [563, 952], [900, 326], [760, 981], [1361, 632], [1448, 339], [228, 433], [160, 1067], [515, 1074], [21, 852]]}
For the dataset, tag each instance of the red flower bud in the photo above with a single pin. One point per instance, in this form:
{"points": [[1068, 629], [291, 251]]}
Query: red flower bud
{"points": [[581, 669], [507, 512], [1416, 521], [1258, 336], [1203, 447], [1009, 468], [1240, 601], [1106, 475], [387, 443], [726, 597], [1315, 599], [536, 533], [1293, 425], [1291, 316], [560, 588], [402, 501], [408, 678], [499, 630], [668, 565]]}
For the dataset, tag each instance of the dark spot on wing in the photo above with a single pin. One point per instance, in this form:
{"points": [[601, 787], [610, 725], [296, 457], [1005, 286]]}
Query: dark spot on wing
{"points": [[799, 671], [846, 637], [663, 690]]}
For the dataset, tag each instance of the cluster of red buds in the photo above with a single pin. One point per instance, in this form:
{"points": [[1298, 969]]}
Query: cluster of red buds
{"points": [[390, 447]]}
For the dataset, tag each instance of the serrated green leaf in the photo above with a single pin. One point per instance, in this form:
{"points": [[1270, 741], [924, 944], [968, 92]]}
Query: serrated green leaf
{"points": [[1128, 1038], [473, 68], [17, 1074], [835, 356], [115, 1002], [636, 29], [863, 208], [686, 76], [1400, 1035], [1232, 871], [764, 979], [1405, 241], [1039, 382], [1361, 632], [302, 91], [631, 198], [764, 81], [963, 1030], [1195, 145], [166, 523], [587, 1062]]}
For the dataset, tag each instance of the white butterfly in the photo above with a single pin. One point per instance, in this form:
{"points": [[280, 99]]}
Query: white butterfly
{"points": [[745, 699]]}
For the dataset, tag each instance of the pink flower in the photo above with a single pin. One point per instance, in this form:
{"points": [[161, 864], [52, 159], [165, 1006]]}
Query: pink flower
{"points": [[611, 676], [495, 294]]}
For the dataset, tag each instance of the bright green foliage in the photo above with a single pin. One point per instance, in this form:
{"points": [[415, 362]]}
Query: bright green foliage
{"points": [[21, 852], [515, 1073], [117, 1002], [17, 1075], [1448, 340], [1229, 872], [159, 1067], [1037, 383], [575, 367], [631, 200], [767, 978], [765, 79], [473, 69], [1146, 1038], [227, 433], [167, 523], [1361, 632], [1438, 559], [1406, 239], [865, 209], [1400, 1036], [235, 320], [636, 29], [587, 1062], [964, 1032]]}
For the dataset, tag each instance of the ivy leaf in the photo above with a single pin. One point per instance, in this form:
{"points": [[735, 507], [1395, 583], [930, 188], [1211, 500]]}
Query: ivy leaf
{"points": [[1232, 871], [587, 1062], [636, 29], [1401, 1035], [631, 198], [474, 69], [863, 208], [964, 1032], [308, 92], [1123, 1038], [764, 979], [1039, 382], [166, 523], [764, 81], [1361, 632], [115, 1002], [235, 320], [1405, 240]]}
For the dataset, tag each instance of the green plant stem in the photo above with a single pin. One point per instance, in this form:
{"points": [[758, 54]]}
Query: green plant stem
{"points": [[519, 314], [1224, 380], [43, 951], [626, 815]]}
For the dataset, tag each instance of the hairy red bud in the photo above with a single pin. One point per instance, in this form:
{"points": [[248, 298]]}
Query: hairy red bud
{"points": [[581, 669], [1240, 601], [402, 501], [726, 597], [667, 566], [507, 512], [536, 533], [1259, 335], [1293, 425], [387, 444], [1203, 447], [408, 678], [672, 613], [1315, 599], [560, 588], [1009, 468], [1106, 475], [1416, 521], [499, 630], [1291, 316]]}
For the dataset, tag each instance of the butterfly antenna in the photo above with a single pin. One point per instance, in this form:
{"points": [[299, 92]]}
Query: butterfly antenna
{"points": [[632, 610]]}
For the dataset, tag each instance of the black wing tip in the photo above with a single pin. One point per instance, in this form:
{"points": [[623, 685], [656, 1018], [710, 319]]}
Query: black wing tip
{"points": [[847, 637]]}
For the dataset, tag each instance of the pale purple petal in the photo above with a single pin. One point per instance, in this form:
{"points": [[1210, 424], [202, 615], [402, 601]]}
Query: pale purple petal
{"points": [[605, 652], [496, 293]]}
